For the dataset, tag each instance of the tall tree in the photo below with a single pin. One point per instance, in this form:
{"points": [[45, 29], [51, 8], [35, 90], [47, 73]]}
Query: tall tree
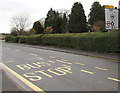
{"points": [[77, 21], [49, 20], [57, 24], [38, 27], [53, 20], [64, 25], [97, 13]]}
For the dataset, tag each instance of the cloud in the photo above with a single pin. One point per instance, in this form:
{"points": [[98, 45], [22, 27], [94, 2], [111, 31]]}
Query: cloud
{"points": [[11, 6]]}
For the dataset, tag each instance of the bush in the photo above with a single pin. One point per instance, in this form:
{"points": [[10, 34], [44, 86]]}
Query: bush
{"points": [[12, 39], [22, 39], [93, 41], [34, 39]]}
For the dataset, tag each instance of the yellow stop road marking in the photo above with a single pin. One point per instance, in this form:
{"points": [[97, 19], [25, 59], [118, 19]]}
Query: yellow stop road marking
{"points": [[113, 79]]}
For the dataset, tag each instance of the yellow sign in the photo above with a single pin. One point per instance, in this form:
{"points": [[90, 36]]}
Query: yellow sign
{"points": [[109, 6]]}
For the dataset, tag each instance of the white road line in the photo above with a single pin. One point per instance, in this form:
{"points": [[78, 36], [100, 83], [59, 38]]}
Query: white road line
{"points": [[36, 58], [10, 61], [33, 54], [51, 61], [40, 58], [52, 57], [87, 72], [64, 62], [63, 59], [17, 50]]}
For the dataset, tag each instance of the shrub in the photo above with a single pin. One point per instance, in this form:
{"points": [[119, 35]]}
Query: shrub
{"points": [[34, 39], [12, 39], [93, 41], [22, 39]]}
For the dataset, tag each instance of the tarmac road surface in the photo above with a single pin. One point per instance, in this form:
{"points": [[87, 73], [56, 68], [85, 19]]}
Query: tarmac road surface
{"points": [[47, 70]]}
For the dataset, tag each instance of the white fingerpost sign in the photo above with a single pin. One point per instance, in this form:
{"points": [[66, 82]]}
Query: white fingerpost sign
{"points": [[111, 19]]}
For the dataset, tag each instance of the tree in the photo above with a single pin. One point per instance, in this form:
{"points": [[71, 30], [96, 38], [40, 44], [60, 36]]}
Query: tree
{"points": [[38, 27], [98, 26], [14, 31], [42, 21], [97, 13], [77, 21], [57, 24], [20, 22], [64, 25], [48, 30], [54, 20], [31, 31], [49, 20]]}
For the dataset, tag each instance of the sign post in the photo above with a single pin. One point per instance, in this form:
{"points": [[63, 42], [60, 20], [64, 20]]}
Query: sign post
{"points": [[111, 19]]}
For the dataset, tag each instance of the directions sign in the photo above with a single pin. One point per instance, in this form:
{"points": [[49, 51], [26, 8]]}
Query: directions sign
{"points": [[111, 18]]}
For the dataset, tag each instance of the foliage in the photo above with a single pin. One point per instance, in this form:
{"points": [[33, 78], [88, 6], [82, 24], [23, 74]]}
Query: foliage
{"points": [[12, 39], [64, 26], [31, 31], [98, 26], [77, 22], [14, 31], [97, 13], [49, 20], [48, 30], [57, 24], [56, 21], [38, 27], [33, 39], [93, 41]]}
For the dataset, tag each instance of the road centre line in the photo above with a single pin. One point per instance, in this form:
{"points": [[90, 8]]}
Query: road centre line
{"points": [[114, 79], [10, 61], [25, 81], [17, 50], [40, 58], [33, 54], [64, 62], [101, 68], [52, 57], [63, 59], [79, 63], [36, 58], [51, 61], [87, 72]]}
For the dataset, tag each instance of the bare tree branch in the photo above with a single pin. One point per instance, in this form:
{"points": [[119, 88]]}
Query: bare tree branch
{"points": [[21, 22]]}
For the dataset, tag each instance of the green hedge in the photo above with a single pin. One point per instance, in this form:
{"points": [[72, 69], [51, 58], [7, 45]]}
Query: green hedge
{"points": [[34, 39], [93, 41], [12, 39]]}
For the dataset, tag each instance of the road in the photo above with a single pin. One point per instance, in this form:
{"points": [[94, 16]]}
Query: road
{"points": [[46, 70]]}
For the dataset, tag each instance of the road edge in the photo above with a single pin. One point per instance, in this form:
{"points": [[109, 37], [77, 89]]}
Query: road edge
{"points": [[22, 79]]}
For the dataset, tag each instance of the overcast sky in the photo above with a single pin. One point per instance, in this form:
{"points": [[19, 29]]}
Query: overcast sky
{"points": [[38, 9]]}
